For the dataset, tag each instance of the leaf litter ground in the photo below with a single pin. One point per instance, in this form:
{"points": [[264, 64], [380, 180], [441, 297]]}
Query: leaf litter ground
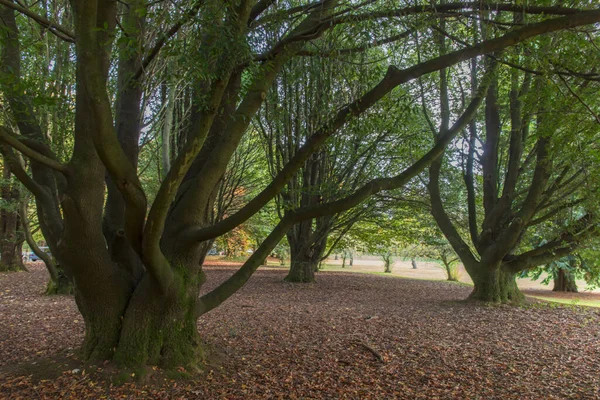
{"points": [[348, 336]]}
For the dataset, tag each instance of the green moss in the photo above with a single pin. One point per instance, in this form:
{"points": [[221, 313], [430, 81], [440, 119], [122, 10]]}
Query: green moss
{"points": [[12, 267], [169, 340], [496, 286], [62, 287]]}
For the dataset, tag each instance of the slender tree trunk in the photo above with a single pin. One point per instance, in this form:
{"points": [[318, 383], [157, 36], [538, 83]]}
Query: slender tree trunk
{"points": [[11, 239], [167, 129], [387, 264], [414, 263], [564, 282], [494, 285], [59, 282]]}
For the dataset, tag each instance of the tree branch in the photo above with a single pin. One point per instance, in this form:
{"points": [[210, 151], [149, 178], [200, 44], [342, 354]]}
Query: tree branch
{"points": [[360, 49], [34, 247], [153, 53], [555, 211], [260, 7], [393, 78], [241, 276], [92, 83], [563, 245], [54, 28], [10, 139]]}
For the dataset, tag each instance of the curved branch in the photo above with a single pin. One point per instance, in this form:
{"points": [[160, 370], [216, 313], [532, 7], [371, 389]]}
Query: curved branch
{"points": [[359, 49], [260, 7], [241, 276], [553, 250], [152, 255], [56, 29], [455, 7], [18, 171], [153, 53], [50, 265], [555, 211], [92, 83], [10, 139]]}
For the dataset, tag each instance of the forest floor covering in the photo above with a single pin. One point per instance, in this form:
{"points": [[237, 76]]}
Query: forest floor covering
{"points": [[355, 336]]}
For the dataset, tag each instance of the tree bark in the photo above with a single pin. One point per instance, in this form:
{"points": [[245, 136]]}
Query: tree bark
{"points": [[11, 237], [495, 285], [564, 282], [303, 264], [306, 250], [161, 329]]}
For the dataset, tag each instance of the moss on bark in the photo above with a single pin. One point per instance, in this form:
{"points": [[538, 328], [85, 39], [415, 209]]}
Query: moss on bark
{"points": [[61, 286], [495, 285], [301, 272], [12, 267], [160, 329]]}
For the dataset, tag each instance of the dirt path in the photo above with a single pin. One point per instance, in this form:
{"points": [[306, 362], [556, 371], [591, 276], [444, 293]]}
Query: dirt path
{"points": [[348, 336]]}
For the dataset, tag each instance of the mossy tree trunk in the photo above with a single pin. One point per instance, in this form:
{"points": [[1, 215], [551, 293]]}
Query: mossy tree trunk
{"points": [[495, 285], [303, 265], [307, 246]]}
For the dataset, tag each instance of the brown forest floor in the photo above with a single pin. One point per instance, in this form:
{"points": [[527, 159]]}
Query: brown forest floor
{"points": [[323, 340]]}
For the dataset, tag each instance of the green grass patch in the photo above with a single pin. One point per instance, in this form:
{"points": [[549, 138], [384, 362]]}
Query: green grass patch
{"points": [[337, 268], [571, 302]]}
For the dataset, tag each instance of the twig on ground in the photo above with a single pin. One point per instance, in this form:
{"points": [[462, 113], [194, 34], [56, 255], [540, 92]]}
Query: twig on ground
{"points": [[372, 350]]}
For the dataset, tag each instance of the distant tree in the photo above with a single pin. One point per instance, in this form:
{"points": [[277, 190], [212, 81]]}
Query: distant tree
{"points": [[388, 261]]}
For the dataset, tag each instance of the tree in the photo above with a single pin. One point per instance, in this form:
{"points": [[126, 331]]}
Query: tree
{"points": [[299, 102], [565, 272], [526, 173], [136, 266]]}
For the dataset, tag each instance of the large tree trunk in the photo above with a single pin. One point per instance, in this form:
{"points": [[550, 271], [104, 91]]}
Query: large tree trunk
{"points": [[161, 329], [305, 255], [494, 285], [11, 254], [564, 282], [303, 266]]}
